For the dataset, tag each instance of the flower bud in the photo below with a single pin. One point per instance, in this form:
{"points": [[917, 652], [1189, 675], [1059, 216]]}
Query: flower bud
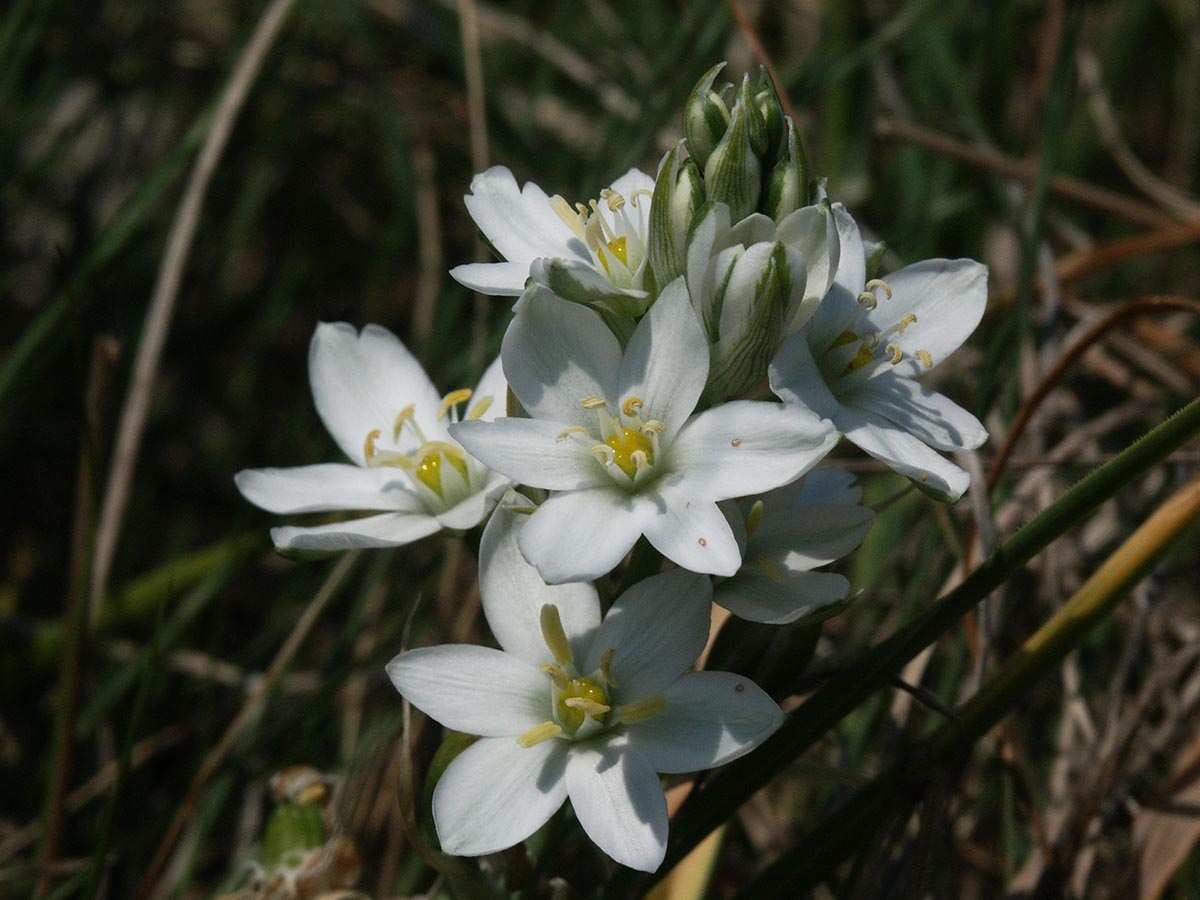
{"points": [[787, 185], [733, 172], [678, 194], [292, 831], [706, 117], [758, 290], [766, 98], [756, 124]]}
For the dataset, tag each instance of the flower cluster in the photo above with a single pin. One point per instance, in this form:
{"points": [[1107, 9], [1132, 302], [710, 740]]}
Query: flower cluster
{"points": [[684, 351]]}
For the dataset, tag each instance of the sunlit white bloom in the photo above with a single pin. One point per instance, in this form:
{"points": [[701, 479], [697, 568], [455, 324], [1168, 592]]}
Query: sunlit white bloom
{"points": [[572, 706], [788, 533], [612, 432], [592, 253], [387, 417], [856, 360]]}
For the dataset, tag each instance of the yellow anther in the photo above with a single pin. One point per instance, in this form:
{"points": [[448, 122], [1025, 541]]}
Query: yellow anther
{"points": [[567, 432], [905, 321], [557, 675], [369, 450], [897, 353], [452, 400], [754, 517], [925, 358], [869, 300], [568, 215], [480, 408], [619, 246], [539, 733], [639, 459], [770, 568], [407, 414], [632, 406], [606, 661], [653, 426], [625, 444], [641, 710], [614, 199], [876, 283], [593, 403], [640, 192], [605, 455], [554, 636], [586, 706]]}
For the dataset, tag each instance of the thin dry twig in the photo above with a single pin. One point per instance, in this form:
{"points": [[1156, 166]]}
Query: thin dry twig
{"points": [[429, 243], [166, 291], [249, 711]]}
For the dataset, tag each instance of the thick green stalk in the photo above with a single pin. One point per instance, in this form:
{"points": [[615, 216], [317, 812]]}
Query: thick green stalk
{"points": [[847, 828], [729, 788]]}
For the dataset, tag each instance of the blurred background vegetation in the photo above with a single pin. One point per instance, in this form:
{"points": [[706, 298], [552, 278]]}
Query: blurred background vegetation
{"points": [[140, 724]]}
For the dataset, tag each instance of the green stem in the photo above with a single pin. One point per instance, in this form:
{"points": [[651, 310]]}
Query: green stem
{"points": [[729, 788]]}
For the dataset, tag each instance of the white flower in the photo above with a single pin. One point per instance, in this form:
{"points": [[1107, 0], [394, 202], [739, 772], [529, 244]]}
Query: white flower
{"points": [[856, 360], [613, 433], [385, 414], [788, 533], [594, 253], [575, 707]]}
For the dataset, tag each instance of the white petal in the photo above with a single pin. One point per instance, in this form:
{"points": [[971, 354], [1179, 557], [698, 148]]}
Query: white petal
{"points": [[497, 793], [580, 282], [557, 354], [932, 418], [328, 486], [519, 222], [636, 208], [470, 511], [748, 447], [710, 719], [494, 388], [529, 451], [619, 801], [946, 295], [387, 530], [813, 231], [903, 452], [666, 362], [477, 690], [513, 593], [499, 279], [754, 594], [841, 302], [361, 382], [581, 535], [692, 531], [657, 628], [796, 380], [828, 485], [806, 537]]}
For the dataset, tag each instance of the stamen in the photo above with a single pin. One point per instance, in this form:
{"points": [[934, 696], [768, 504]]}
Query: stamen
{"points": [[925, 358], [449, 451], [632, 406], [554, 636], [539, 733], [452, 400], [481, 406], [568, 215], [605, 455], [613, 198], [908, 319], [369, 450], [897, 353], [590, 707], [770, 568], [754, 517], [639, 459], [406, 415], [869, 300], [606, 660], [567, 432], [653, 426], [640, 192], [876, 283], [641, 710], [557, 675], [593, 403]]}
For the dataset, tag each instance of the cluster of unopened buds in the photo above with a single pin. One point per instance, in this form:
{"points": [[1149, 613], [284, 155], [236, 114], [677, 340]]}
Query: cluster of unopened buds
{"points": [[684, 353]]}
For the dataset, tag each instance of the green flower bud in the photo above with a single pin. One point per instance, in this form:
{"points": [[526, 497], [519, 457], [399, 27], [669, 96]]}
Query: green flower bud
{"points": [[292, 831], [755, 123], [678, 194], [733, 172], [705, 118], [787, 185], [875, 255], [766, 98]]}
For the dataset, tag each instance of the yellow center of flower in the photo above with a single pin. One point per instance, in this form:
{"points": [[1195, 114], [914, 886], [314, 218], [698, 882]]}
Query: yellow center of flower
{"points": [[581, 697], [625, 443], [855, 352]]}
